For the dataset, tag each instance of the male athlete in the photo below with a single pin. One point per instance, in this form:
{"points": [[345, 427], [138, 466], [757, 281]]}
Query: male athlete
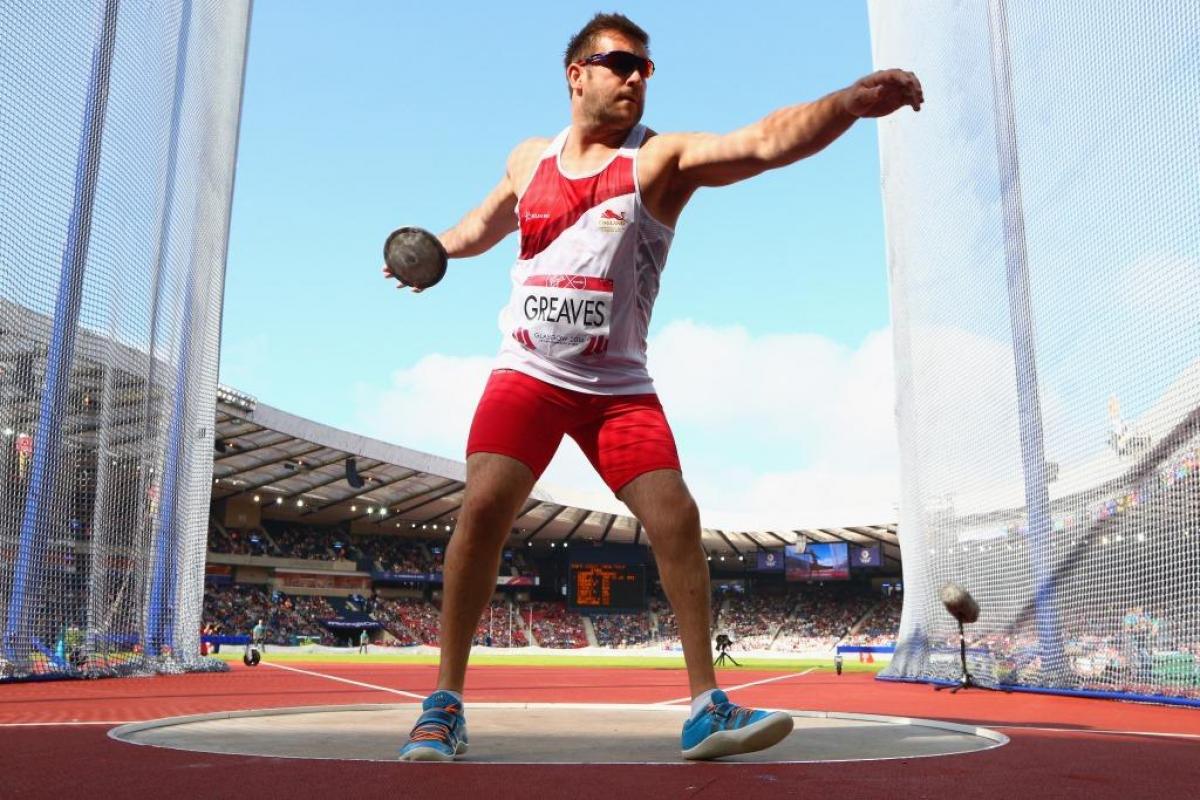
{"points": [[596, 208], [257, 634]]}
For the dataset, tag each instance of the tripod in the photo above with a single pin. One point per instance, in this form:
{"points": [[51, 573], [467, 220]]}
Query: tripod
{"points": [[965, 681], [723, 658]]}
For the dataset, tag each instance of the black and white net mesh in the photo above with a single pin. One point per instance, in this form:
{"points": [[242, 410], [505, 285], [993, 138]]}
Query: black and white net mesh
{"points": [[1043, 229], [118, 126]]}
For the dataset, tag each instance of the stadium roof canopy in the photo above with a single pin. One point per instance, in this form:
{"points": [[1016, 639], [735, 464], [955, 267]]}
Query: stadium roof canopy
{"points": [[297, 469]]}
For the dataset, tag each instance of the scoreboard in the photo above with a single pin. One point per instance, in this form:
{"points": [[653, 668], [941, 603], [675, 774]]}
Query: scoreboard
{"points": [[607, 586]]}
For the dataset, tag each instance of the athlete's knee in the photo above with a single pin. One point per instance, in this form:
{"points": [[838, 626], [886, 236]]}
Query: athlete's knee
{"points": [[486, 512], [496, 487], [481, 514], [681, 510], [687, 516], [676, 527]]}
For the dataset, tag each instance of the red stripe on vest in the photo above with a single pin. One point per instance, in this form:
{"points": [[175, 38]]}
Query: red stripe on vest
{"points": [[582, 282], [553, 203]]}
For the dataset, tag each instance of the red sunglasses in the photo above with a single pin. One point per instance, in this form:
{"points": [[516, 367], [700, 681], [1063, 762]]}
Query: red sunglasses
{"points": [[621, 62]]}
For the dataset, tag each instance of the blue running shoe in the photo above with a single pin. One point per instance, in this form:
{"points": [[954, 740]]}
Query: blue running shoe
{"points": [[725, 729], [440, 733]]}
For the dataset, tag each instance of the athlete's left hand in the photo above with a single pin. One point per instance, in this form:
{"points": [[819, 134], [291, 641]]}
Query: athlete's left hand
{"points": [[389, 275], [881, 93]]}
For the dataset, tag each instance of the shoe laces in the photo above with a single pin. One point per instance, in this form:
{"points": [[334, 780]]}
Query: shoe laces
{"points": [[435, 725], [728, 714]]}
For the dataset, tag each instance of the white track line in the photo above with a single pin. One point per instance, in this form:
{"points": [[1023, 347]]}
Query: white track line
{"points": [[1093, 730], [740, 686], [59, 724], [400, 692]]}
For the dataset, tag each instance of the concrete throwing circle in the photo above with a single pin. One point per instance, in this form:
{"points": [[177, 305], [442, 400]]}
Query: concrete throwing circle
{"points": [[547, 733]]}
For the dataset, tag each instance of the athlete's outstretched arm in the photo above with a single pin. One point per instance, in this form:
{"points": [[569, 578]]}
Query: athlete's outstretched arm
{"points": [[485, 225], [478, 231], [787, 135]]}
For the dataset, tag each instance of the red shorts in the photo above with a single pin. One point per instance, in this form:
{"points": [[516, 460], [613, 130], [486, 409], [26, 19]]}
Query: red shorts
{"points": [[624, 436]]}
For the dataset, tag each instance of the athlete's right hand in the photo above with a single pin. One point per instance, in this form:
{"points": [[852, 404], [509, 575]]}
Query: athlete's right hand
{"points": [[388, 275], [883, 92]]}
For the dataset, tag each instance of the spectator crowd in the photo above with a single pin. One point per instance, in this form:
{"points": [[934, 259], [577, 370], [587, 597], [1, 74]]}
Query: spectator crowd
{"points": [[235, 610], [797, 619]]}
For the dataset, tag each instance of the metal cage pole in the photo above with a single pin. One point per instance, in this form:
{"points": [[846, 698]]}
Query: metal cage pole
{"points": [[37, 522], [1033, 457]]}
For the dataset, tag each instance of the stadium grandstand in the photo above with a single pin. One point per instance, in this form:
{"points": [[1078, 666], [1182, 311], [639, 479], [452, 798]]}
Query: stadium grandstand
{"points": [[321, 534]]}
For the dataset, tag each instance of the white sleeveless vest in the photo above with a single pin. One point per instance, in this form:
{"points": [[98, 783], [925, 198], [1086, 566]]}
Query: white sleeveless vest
{"points": [[586, 278]]}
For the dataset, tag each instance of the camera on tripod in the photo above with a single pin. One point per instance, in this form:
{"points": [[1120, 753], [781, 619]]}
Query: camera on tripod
{"points": [[723, 644]]}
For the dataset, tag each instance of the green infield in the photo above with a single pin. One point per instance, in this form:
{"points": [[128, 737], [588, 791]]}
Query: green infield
{"points": [[541, 660]]}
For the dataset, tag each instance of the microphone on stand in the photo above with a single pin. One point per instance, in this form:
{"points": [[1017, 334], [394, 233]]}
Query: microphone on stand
{"points": [[959, 603], [962, 606]]}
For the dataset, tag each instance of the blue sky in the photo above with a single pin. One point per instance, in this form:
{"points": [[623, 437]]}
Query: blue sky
{"points": [[769, 340]]}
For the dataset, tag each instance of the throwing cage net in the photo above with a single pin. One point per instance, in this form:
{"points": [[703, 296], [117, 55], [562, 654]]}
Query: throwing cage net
{"points": [[1043, 229], [118, 126]]}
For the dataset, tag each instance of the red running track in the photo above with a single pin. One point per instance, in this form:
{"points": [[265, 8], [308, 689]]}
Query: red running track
{"points": [[55, 740]]}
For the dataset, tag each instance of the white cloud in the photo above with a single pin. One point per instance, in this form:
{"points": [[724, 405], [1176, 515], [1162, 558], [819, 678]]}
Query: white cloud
{"points": [[784, 430], [428, 406], [798, 430]]}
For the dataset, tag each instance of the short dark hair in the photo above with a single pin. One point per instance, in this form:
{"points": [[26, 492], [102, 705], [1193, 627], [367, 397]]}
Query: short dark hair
{"points": [[581, 43]]}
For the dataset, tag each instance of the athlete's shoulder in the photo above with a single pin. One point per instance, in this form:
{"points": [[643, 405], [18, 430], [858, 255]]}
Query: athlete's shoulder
{"points": [[669, 145], [531, 148], [523, 160], [661, 154]]}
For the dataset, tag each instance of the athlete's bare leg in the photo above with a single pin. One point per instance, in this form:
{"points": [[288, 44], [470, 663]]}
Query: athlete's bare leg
{"points": [[662, 502], [496, 487]]}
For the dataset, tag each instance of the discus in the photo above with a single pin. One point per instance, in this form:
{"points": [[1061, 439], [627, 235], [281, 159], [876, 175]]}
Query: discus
{"points": [[415, 257]]}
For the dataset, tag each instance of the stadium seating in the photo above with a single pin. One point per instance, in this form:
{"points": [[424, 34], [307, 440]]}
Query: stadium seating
{"points": [[410, 620], [806, 618], [821, 618], [623, 630], [238, 542], [235, 610], [752, 622], [880, 626], [300, 542], [554, 626], [501, 626], [389, 553]]}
